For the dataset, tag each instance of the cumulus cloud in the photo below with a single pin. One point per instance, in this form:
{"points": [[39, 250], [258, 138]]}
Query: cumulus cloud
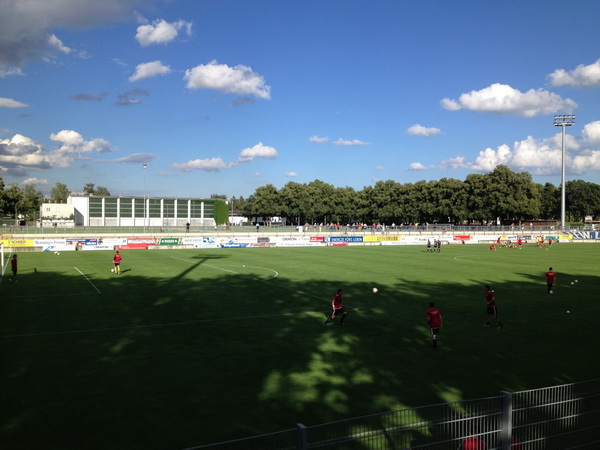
{"points": [[503, 99], [74, 146], [591, 133], [215, 164], [25, 27], [319, 139], [149, 69], [162, 32], [537, 156], [347, 142], [258, 151], [240, 80], [35, 181], [291, 174], [419, 130], [20, 154], [580, 77]]}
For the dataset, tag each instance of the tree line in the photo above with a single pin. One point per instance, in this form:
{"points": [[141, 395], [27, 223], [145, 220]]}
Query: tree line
{"points": [[501, 195]]}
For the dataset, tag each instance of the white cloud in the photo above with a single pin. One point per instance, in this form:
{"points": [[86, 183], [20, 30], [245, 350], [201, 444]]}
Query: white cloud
{"points": [[580, 77], [258, 151], [240, 80], [418, 166], [210, 165], [35, 181], [291, 174], [25, 27], [20, 154], [10, 103], [419, 130], [503, 99], [353, 142], [149, 69], [73, 146], [318, 139], [161, 32], [537, 156], [214, 164], [591, 133]]}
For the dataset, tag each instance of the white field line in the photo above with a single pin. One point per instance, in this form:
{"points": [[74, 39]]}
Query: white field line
{"points": [[156, 325], [89, 281], [275, 276]]}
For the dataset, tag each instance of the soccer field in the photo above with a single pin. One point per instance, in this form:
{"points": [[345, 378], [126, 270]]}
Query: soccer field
{"points": [[188, 347]]}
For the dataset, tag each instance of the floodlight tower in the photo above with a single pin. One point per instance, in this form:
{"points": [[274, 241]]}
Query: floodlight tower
{"points": [[563, 120], [144, 165]]}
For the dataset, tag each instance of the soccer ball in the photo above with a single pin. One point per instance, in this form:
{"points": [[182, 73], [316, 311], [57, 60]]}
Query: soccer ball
{"points": [[576, 281], [572, 282], [375, 290], [551, 292], [58, 254], [112, 270]]}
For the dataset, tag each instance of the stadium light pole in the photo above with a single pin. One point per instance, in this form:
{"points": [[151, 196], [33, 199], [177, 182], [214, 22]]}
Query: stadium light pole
{"points": [[144, 165], [563, 120]]}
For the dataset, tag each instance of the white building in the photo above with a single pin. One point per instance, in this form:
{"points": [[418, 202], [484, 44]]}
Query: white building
{"points": [[133, 211]]}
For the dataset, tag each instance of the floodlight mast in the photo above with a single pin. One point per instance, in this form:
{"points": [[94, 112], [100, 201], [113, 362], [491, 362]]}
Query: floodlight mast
{"points": [[144, 165], [563, 120]]}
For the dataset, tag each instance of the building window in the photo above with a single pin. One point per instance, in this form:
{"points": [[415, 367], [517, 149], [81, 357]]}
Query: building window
{"points": [[96, 207]]}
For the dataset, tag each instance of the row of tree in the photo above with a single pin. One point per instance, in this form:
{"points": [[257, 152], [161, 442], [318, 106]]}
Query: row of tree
{"points": [[503, 195], [482, 198]]}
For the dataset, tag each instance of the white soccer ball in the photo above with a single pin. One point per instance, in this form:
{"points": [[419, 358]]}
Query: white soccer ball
{"points": [[58, 253], [572, 282], [568, 312], [112, 270], [576, 281], [375, 290], [551, 292]]}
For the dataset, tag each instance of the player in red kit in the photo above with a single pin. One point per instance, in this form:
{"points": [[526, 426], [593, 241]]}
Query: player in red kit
{"points": [[14, 268], [550, 280], [338, 309], [117, 262], [434, 319], [492, 310]]}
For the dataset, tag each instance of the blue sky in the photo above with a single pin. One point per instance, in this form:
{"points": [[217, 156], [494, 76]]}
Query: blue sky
{"points": [[224, 96]]}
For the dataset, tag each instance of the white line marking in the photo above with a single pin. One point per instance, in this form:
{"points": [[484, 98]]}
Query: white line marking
{"points": [[89, 281]]}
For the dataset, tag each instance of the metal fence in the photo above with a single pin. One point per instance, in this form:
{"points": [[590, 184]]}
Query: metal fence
{"points": [[559, 417]]}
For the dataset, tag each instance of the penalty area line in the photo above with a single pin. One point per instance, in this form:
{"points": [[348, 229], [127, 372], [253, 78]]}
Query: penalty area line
{"points": [[88, 280]]}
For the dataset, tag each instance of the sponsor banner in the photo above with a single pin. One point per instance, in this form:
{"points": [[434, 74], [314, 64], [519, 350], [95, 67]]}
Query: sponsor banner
{"points": [[141, 241], [381, 238], [300, 241], [345, 239], [46, 242], [233, 245], [206, 245], [168, 241], [98, 247], [317, 239], [195, 240], [18, 242], [464, 237], [338, 244], [132, 247]]}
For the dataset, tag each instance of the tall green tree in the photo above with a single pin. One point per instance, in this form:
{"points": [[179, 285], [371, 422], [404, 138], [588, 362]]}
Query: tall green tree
{"points": [[266, 202], [59, 193], [294, 202], [30, 202], [582, 199], [12, 197], [549, 201], [101, 191]]}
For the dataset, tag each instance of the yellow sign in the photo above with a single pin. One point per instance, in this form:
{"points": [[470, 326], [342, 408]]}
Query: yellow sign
{"points": [[380, 238], [17, 242]]}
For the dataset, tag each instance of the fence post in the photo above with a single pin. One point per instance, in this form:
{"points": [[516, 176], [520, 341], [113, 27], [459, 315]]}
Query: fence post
{"points": [[301, 437], [506, 420]]}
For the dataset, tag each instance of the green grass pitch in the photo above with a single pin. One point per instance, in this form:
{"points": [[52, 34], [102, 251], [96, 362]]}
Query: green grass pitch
{"points": [[189, 347]]}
